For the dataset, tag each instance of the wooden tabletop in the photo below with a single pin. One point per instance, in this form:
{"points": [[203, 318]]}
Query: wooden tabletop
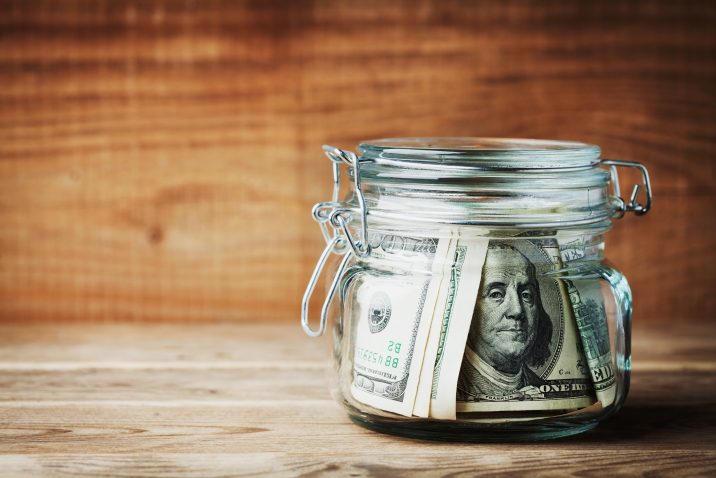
{"points": [[230, 400]]}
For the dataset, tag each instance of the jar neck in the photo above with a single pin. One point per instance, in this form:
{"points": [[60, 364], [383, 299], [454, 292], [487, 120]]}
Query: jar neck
{"points": [[523, 199]]}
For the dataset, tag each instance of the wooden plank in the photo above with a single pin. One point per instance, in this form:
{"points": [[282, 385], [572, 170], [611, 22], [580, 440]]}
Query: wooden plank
{"points": [[318, 426], [648, 388], [158, 160], [173, 345], [165, 384], [66, 346], [482, 461]]}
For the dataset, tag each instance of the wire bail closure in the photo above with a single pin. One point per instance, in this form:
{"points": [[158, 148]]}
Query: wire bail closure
{"points": [[340, 240], [633, 205], [331, 291]]}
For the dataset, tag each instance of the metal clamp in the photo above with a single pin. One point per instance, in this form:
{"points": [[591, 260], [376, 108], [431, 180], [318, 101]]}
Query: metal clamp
{"points": [[340, 217], [338, 241], [633, 205], [331, 291]]}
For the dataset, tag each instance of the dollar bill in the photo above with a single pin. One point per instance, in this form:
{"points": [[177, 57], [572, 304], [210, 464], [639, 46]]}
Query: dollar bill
{"points": [[454, 317], [523, 348], [425, 383], [572, 249], [403, 248], [393, 321], [589, 311]]}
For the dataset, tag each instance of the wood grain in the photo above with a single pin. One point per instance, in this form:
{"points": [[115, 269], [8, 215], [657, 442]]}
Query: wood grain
{"points": [[688, 346], [184, 407], [158, 160], [418, 464], [263, 384]]}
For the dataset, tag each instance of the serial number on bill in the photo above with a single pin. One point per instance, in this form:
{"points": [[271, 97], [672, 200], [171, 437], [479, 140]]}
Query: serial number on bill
{"points": [[371, 356]]}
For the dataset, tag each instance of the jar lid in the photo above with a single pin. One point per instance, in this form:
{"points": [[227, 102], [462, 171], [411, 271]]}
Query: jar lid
{"points": [[479, 153]]}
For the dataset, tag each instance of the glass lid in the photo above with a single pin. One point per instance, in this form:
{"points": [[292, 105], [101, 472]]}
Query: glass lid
{"points": [[479, 153]]}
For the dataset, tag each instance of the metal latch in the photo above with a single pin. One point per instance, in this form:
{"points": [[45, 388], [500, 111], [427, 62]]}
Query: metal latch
{"points": [[340, 240], [633, 205]]}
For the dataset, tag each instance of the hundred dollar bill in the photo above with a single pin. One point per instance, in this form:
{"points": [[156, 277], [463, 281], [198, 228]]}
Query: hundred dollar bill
{"points": [[522, 350], [397, 247], [425, 383], [454, 320], [572, 249], [391, 330], [590, 314]]}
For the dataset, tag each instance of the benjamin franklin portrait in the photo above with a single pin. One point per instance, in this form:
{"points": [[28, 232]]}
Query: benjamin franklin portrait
{"points": [[510, 331]]}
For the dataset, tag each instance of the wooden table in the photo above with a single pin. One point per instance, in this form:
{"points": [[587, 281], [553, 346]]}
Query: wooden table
{"points": [[229, 400]]}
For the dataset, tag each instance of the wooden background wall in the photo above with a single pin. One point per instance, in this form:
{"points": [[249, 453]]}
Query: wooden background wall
{"points": [[158, 159]]}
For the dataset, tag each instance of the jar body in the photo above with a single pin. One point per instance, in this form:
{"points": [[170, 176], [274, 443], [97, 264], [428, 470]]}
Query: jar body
{"points": [[475, 334]]}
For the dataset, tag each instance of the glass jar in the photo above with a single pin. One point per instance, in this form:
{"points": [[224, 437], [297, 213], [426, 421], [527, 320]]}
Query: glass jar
{"points": [[473, 300]]}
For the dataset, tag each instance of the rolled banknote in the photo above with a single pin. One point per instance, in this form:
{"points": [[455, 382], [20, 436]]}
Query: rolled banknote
{"points": [[391, 326], [425, 384], [572, 249], [523, 350], [588, 305], [450, 327]]}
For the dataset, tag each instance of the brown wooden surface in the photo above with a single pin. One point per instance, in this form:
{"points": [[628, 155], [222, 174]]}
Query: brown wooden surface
{"points": [[237, 400], [158, 160]]}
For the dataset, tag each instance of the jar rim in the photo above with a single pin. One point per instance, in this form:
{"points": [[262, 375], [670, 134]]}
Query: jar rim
{"points": [[479, 153]]}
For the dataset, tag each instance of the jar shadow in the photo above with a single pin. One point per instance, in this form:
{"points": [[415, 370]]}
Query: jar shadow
{"points": [[678, 424]]}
